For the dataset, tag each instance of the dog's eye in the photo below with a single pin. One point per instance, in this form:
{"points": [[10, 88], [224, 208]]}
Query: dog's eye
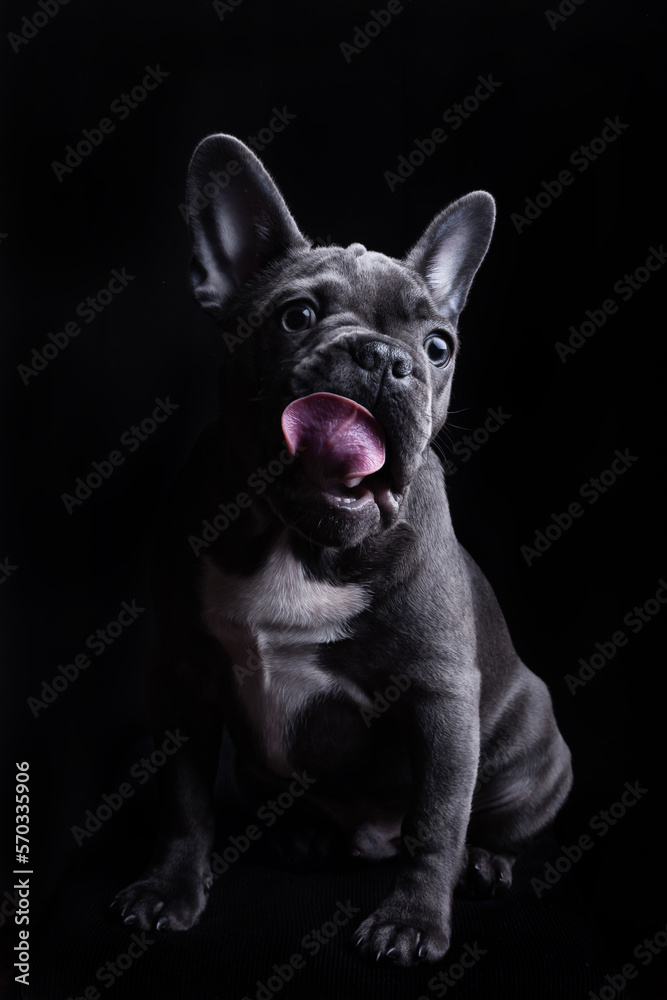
{"points": [[298, 317], [438, 350]]}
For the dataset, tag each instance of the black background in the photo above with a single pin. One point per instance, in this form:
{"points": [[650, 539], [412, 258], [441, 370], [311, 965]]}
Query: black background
{"points": [[119, 208]]}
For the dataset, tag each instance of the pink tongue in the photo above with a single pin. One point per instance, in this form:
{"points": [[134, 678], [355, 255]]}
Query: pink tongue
{"points": [[339, 440]]}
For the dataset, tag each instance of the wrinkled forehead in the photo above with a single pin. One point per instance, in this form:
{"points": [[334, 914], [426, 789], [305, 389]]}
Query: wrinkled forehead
{"points": [[348, 278]]}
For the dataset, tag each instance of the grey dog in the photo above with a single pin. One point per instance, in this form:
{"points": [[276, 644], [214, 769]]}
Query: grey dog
{"points": [[324, 609]]}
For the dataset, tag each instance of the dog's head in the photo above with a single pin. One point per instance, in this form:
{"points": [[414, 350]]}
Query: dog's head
{"points": [[341, 356]]}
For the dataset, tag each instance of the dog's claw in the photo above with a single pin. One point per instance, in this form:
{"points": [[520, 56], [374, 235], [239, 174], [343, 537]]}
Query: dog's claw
{"points": [[131, 918], [403, 944], [162, 922], [485, 873]]}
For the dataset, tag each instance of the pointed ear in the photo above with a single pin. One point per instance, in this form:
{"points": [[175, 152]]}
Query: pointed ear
{"points": [[238, 220], [452, 248]]}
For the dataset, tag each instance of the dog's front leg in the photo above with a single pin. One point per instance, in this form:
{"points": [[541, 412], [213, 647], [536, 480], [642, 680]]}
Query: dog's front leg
{"points": [[413, 923], [172, 891]]}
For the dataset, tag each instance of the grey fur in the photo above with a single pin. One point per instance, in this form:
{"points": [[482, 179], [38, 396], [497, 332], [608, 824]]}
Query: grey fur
{"points": [[330, 602]]}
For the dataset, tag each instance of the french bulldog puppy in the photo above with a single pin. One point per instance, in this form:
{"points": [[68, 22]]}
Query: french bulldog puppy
{"points": [[310, 591]]}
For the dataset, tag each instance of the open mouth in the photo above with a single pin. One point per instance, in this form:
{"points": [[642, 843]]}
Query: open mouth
{"points": [[342, 453]]}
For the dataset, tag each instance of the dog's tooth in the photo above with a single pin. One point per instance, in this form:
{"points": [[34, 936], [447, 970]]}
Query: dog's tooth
{"points": [[352, 481]]}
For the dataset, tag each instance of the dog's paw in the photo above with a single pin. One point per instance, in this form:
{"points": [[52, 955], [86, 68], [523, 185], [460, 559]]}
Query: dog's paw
{"points": [[404, 941], [303, 846], [485, 874], [163, 902]]}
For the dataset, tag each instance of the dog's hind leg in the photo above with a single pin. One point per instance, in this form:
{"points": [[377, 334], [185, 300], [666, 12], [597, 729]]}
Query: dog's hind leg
{"points": [[508, 811]]}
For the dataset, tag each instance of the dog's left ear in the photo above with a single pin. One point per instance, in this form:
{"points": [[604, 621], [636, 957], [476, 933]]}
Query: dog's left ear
{"points": [[238, 219], [452, 248]]}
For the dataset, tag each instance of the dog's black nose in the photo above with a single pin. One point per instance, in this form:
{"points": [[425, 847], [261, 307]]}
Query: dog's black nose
{"points": [[375, 355]]}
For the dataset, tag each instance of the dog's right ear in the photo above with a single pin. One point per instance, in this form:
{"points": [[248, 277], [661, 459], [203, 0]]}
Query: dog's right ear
{"points": [[238, 221], [452, 248]]}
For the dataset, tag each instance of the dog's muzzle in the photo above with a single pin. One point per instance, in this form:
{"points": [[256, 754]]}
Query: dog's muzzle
{"points": [[341, 447]]}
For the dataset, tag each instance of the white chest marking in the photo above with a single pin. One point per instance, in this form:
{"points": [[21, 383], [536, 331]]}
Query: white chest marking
{"points": [[270, 624]]}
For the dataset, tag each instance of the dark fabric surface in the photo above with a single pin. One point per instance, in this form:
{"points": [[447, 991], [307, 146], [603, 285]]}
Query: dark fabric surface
{"points": [[259, 916]]}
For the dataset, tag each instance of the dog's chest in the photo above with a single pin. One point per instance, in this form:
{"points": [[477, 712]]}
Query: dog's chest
{"points": [[271, 624]]}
